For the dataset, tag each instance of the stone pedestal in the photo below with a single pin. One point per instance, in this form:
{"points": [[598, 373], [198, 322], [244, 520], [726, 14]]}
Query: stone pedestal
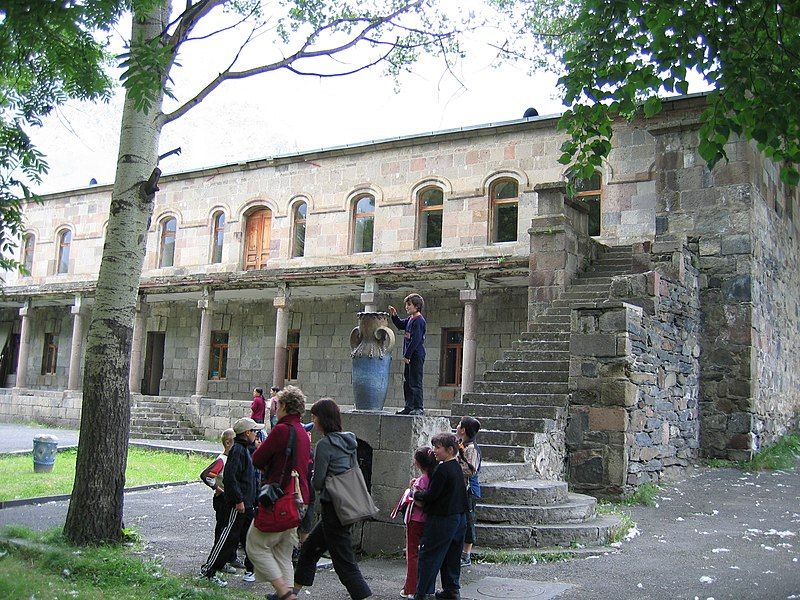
{"points": [[393, 440]]}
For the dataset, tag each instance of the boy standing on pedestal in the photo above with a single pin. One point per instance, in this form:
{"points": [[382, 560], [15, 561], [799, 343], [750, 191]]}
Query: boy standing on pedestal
{"points": [[413, 352]]}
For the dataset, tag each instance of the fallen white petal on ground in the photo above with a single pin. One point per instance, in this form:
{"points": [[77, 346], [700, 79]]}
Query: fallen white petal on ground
{"points": [[718, 550], [707, 579]]}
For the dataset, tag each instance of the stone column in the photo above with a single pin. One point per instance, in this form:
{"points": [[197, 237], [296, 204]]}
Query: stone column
{"points": [[76, 351], [206, 306], [470, 345], [139, 325], [281, 304], [370, 296], [24, 347]]}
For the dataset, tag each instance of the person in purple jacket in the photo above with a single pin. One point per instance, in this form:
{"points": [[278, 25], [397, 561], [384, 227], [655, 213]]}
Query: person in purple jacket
{"points": [[413, 352]]}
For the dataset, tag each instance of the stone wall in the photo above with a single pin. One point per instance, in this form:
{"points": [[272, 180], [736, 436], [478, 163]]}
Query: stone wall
{"points": [[775, 287], [634, 378], [58, 408]]}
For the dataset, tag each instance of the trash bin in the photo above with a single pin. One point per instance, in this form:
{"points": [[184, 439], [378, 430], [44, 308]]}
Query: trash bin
{"points": [[44, 453]]}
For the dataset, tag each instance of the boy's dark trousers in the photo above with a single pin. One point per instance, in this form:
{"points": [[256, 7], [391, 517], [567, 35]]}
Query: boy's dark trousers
{"points": [[440, 551], [412, 383], [227, 542]]}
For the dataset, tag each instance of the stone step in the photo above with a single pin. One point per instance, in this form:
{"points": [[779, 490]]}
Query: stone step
{"points": [[560, 318], [536, 355], [521, 387], [152, 404], [498, 453], [527, 492], [166, 436], [161, 423], [595, 532], [492, 472], [531, 365], [612, 265], [542, 327], [513, 400], [535, 334], [156, 430], [514, 424], [546, 346], [576, 509], [533, 376], [589, 287], [580, 295], [484, 412], [528, 437]]}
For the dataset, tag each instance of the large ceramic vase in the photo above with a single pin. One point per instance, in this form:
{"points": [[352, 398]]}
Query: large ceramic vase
{"points": [[371, 342]]}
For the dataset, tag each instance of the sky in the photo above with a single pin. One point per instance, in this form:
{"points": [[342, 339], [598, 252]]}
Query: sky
{"points": [[278, 113]]}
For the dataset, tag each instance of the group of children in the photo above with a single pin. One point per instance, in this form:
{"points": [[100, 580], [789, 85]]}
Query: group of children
{"points": [[439, 507], [440, 512]]}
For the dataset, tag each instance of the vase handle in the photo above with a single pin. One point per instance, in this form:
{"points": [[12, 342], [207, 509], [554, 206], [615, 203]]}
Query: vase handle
{"points": [[385, 337], [355, 338]]}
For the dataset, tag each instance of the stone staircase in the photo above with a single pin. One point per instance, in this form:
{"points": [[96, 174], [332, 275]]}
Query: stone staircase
{"points": [[153, 417], [522, 404]]}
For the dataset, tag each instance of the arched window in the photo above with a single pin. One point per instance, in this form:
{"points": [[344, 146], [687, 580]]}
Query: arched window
{"points": [[299, 225], [504, 195], [257, 239], [588, 191], [430, 201], [217, 237], [28, 244], [363, 224], [169, 227], [64, 243]]}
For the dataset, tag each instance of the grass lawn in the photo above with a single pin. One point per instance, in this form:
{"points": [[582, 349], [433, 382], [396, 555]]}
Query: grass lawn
{"points": [[47, 567], [144, 467]]}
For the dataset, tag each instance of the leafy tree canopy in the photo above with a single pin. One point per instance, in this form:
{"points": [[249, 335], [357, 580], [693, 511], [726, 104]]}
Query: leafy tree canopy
{"points": [[619, 57], [47, 55]]}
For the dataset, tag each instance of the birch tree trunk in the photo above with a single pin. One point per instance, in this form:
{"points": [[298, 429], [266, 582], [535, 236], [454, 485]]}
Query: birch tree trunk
{"points": [[95, 510]]}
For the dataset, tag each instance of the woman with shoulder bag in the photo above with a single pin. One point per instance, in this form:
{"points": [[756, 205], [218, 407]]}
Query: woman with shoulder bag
{"points": [[271, 551], [335, 453]]}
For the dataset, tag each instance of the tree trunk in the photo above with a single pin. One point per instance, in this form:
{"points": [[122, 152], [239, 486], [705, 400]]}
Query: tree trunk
{"points": [[95, 510]]}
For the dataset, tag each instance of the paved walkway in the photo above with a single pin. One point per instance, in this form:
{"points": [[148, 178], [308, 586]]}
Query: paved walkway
{"points": [[720, 533], [15, 437]]}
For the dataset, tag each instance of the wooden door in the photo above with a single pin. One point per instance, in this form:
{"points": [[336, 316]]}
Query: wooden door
{"points": [[257, 239]]}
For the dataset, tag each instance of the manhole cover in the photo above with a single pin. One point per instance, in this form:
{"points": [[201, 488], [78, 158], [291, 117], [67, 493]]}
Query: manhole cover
{"points": [[498, 587]]}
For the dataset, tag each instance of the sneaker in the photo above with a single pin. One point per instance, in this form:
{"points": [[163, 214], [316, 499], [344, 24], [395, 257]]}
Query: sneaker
{"points": [[406, 596], [405, 411], [228, 569], [218, 581], [249, 577], [237, 563], [466, 559], [448, 595], [417, 412]]}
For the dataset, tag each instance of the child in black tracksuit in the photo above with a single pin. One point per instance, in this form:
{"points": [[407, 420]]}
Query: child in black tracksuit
{"points": [[445, 504]]}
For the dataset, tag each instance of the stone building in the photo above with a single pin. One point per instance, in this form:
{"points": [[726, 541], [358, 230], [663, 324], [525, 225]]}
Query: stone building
{"points": [[686, 343]]}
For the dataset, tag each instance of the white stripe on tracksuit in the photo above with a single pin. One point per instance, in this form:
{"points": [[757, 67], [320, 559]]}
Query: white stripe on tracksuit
{"points": [[223, 536]]}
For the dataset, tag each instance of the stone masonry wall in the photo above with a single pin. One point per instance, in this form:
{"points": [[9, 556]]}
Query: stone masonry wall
{"points": [[634, 378], [776, 314], [324, 367]]}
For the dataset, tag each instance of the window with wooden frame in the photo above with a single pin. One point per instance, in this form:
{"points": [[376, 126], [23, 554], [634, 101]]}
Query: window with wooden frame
{"points": [[292, 353], [299, 233], [452, 351], [504, 198], [430, 201], [50, 354], [169, 228], [589, 191], [29, 243], [218, 237], [257, 239], [363, 224], [218, 362], [64, 244]]}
